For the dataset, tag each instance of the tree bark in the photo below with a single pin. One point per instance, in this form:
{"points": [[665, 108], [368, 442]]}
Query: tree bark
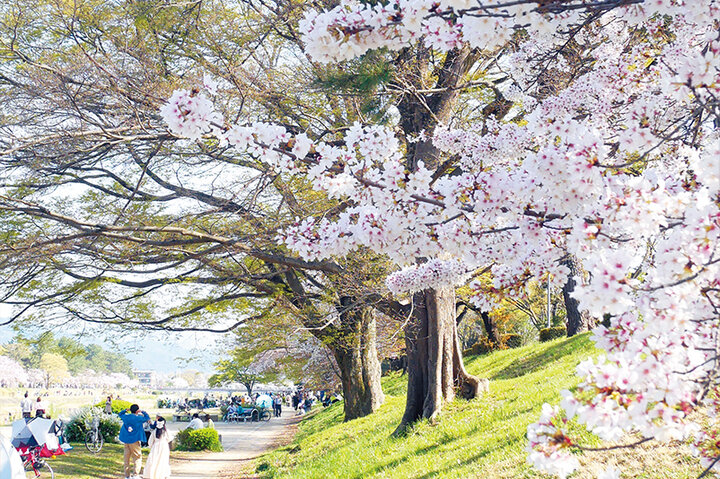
{"points": [[360, 368], [490, 327], [353, 345], [352, 341], [436, 373], [577, 321], [249, 387]]}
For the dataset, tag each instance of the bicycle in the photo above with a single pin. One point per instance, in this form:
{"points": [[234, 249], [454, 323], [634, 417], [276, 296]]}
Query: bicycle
{"points": [[32, 462], [264, 414], [94, 439]]}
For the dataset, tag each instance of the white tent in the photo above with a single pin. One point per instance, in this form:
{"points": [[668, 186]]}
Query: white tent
{"points": [[264, 401], [11, 466], [37, 432]]}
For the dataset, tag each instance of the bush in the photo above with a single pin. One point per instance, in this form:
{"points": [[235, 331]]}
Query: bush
{"points": [[205, 439], [117, 405], [79, 423], [483, 346], [548, 334], [511, 340]]}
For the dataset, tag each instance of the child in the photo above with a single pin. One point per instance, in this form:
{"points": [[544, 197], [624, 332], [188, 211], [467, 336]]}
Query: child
{"points": [[158, 461]]}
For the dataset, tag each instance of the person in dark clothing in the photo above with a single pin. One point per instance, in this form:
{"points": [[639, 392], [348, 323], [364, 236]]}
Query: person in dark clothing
{"points": [[277, 405]]}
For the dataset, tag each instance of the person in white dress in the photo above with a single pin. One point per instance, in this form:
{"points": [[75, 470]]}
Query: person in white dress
{"points": [[157, 465]]}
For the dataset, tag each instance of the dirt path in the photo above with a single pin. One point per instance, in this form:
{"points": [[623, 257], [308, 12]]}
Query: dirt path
{"points": [[242, 442]]}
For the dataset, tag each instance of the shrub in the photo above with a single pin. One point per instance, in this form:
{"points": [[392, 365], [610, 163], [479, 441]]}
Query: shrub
{"points": [[204, 439], [511, 340], [548, 334], [81, 420], [117, 405], [483, 346]]}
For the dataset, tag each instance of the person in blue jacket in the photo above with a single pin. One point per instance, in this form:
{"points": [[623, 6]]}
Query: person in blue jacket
{"points": [[131, 434]]}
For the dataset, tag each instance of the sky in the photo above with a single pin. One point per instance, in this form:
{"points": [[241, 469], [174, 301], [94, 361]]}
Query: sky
{"points": [[159, 351]]}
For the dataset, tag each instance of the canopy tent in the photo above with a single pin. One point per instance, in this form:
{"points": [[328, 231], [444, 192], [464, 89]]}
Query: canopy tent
{"points": [[36, 432], [11, 466], [264, 401]]}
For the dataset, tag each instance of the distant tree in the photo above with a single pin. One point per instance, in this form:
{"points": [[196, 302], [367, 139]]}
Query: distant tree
{"points": [[54, 367], [246, 367], [19, 352], [75, 354], [13, 373], [118, 363]]}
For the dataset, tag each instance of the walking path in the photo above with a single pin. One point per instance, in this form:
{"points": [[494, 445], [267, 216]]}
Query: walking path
{"points": [[242, 442]]}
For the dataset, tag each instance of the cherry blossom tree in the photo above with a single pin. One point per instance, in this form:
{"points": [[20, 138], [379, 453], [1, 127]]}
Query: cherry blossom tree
{"points": [[617, 167], [13, 372]]}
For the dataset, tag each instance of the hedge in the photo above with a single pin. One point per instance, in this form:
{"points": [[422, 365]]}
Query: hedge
{"points": [[205, 439], [79, 423], [511, 340], [117, 405], [548, 334]]}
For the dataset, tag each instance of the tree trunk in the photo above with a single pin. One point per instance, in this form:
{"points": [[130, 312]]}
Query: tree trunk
{"points": [[352, 341], [435, 369], [577, 321], [490, 327], [249, 387], [356, 355]]}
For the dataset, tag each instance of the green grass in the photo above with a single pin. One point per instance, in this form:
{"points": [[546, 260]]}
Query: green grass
{"points": [[79, 463], [480, 438]]}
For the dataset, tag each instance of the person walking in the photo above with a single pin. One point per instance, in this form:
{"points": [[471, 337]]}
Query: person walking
{"points": [[131, 434], [158, 460], [26, 406], [277, 403], [40, 407]]}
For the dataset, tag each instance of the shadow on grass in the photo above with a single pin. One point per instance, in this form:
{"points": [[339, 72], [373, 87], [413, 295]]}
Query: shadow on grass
{"points": [[458, 464], [543, 359]]}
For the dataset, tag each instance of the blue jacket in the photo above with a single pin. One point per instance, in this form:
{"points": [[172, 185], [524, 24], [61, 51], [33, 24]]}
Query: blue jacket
{"points": [[132, 428]]}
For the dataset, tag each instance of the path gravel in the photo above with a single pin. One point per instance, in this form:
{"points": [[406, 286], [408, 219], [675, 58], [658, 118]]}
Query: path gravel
{"points": [[242, 442]]}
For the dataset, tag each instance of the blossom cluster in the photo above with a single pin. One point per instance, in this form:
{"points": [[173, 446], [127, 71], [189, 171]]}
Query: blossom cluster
{"points": [[189, 114], [353, 28], [549, 445], [432, 274]]}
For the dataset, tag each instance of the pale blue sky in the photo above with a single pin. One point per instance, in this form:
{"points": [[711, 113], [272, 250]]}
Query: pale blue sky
{"points": [[159, 351]]}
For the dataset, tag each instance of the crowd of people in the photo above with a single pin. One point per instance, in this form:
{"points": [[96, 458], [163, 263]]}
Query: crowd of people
{"points": [[138, 429], [184, 404]]}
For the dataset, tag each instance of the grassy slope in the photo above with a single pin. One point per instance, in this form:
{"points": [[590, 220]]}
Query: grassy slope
{"points": [[481, 438]]}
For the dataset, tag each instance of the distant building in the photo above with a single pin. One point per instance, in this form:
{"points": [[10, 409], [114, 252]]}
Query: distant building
{"points": [[146, 379]]}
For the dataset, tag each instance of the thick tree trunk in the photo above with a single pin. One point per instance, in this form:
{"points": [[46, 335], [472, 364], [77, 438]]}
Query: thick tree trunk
{"points": [[355, 352], [577, 321], [490, 327], [352, 341], [435, 369]]}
